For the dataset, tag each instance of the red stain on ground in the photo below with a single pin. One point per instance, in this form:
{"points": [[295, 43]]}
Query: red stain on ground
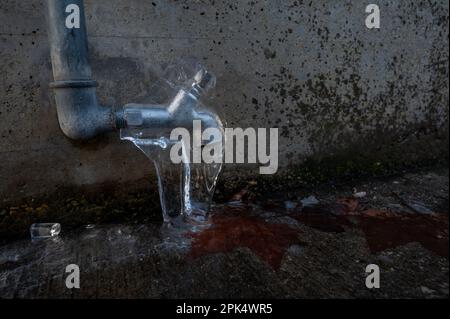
{"points": [[383, 229], [389, 231], [268, 241]]}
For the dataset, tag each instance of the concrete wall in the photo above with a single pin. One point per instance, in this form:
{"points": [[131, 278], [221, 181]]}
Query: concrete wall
{"points": [[311, 68]]}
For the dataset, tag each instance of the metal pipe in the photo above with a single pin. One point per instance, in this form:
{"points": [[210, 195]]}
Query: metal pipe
{"points": [[79, 114]]}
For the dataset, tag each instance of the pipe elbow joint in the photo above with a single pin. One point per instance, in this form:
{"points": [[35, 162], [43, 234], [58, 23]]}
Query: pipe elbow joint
{"points": [[80, 117]]}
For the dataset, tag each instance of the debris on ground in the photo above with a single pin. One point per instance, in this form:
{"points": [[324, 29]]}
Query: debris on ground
{"points": [[44, 230], [309, 201], [419, 207], [359, 194]]}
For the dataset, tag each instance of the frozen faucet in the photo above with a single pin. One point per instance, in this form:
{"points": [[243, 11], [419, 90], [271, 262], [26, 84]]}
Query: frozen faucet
{"points": [[185, 189]]}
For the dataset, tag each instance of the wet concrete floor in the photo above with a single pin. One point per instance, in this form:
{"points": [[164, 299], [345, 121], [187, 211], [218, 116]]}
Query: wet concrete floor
{"points": [[256, 247]]}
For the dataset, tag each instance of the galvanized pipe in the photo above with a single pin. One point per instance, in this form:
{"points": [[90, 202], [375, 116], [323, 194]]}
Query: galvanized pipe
{"points": [[80, 116]]}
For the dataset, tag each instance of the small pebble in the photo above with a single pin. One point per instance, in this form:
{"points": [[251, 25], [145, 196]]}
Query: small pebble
{"points": [[309, 201], [426, 290], [359, 195]]}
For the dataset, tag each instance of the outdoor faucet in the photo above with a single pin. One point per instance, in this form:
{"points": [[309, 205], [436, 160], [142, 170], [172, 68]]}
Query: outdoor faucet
{"points": [[185, 187], [181, 111], [184, 190]]}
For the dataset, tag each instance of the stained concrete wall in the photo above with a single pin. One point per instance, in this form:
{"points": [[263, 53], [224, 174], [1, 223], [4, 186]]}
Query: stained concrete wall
{"points": [[311, 68]]}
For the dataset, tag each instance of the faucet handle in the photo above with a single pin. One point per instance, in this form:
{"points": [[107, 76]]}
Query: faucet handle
{"points": [[203, 81]]}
